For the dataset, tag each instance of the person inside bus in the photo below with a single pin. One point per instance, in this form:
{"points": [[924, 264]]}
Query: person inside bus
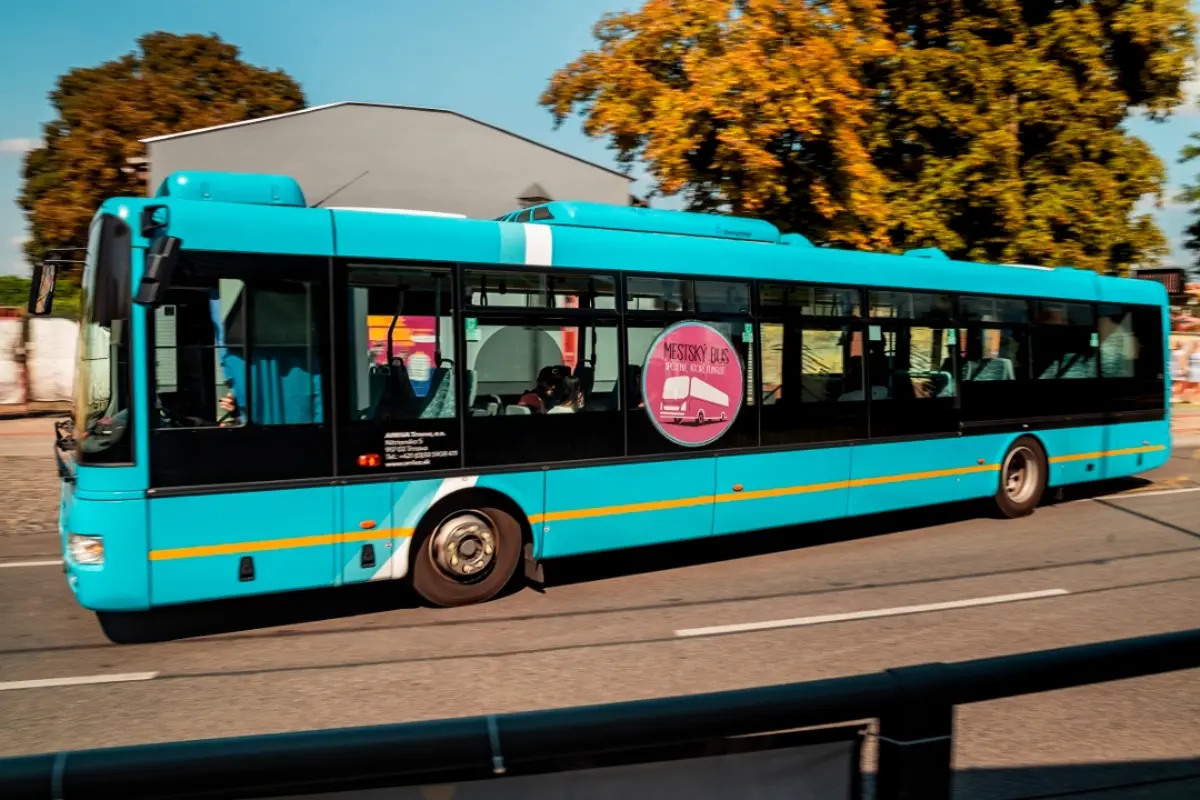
{"points": [[540, 399], [569, 396]]}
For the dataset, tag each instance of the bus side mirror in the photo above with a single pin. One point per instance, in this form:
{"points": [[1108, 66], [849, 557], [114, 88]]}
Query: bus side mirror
{"points": [[41, 289], [161, 259]]}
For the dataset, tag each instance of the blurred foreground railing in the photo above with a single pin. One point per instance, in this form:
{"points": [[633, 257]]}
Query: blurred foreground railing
{"points": [[914, 706]]}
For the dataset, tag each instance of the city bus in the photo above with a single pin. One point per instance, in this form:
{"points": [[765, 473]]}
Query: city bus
{"points": [[273, 397]]}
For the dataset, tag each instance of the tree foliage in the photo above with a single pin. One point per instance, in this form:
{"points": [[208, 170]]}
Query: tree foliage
{"points": [[1190, 196], [170, 83], [989, 128]]}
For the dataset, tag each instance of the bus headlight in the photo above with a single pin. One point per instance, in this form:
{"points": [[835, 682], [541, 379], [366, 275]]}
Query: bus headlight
{"points": [[85, 549]]}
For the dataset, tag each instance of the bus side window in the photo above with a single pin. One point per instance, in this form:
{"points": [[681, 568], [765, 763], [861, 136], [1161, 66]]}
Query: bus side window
{"points": [[401, 344], [284, 369], [200, 351]]}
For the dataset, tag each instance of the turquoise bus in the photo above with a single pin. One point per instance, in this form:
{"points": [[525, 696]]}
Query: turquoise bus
{"points": [[273, 397]]}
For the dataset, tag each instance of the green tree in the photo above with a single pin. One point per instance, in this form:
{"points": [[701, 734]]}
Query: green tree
{"points": [[170, 83], [989, 128], [14, 291], [1002, 130], [1190, 196]]}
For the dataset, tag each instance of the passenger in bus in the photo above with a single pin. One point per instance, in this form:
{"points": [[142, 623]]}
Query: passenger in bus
{"points": [[540, 399], [569, 397]]}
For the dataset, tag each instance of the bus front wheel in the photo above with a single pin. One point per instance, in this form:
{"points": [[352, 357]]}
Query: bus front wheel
{"points": [[468, 557], [1023, 475]]}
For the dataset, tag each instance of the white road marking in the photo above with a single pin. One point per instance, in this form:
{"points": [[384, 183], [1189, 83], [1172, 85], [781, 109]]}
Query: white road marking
{"points": [[77, 680], [1154, 493], [897, 611], [15, 564]]}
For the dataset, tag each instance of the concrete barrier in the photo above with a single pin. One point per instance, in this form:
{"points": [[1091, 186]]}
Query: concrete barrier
{"points": [[37, 363]]}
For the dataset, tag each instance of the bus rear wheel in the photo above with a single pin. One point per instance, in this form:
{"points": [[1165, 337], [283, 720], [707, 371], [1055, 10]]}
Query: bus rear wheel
{"points": [[468, 557], [1023, 475]]}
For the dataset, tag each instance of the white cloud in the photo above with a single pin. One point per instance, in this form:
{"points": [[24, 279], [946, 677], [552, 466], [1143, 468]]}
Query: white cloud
{"points": [[19, 240], [18, 145]]}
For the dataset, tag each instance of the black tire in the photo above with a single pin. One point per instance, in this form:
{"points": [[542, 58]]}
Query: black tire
{"points": [[438, 587], [1023, 475]]}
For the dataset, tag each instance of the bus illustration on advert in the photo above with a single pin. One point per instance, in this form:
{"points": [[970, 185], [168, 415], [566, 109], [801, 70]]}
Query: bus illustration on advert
{"points": [[686, 399]]}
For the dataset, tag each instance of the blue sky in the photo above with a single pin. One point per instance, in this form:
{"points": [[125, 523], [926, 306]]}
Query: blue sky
{"points": [[487, 60]]}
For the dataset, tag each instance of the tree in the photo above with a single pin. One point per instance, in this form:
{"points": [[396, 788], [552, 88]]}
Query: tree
{"points": [[1190, 196], [171, 83], [989, 128], [751, 107], [1002, 131]]}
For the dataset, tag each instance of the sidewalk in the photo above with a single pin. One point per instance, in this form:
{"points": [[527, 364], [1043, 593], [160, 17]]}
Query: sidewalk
{"points": [[1185, 424], [28, 436]]}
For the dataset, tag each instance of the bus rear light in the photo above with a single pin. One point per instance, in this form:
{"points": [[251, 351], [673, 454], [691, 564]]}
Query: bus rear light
{"points": [[85, 549], [369, 460]]}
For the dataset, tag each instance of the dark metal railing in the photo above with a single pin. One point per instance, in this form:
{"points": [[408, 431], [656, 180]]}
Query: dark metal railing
{"points": [[914, 706]]}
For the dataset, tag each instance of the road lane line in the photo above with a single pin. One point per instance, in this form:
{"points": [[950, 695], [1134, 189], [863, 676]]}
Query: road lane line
{"points": [[15, 564], [896, 611], [77, 680], [1155, 492]]}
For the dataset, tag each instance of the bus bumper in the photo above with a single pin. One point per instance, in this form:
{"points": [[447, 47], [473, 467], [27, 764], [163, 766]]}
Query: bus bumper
{"points": [[117, 580]]}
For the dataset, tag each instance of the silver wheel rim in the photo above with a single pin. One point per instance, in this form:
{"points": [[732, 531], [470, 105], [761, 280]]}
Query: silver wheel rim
{"points": [[463, 547], [1021, 475]]}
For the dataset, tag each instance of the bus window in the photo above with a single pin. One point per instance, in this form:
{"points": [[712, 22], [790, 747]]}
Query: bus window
{"points": [[647, 293], [546, 390], [809, 301], [200, 354], [283, 370], [812, 382], [1061, 342], [1131, 357], [994, 362], [497, 289], [401, 344], [910, 356]]}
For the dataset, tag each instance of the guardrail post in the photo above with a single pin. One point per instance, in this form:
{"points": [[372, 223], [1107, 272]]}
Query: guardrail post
{"points": [[916, 744]]}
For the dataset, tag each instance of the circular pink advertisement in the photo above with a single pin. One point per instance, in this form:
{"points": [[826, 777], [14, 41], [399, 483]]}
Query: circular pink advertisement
{"points": [[692, 383]]}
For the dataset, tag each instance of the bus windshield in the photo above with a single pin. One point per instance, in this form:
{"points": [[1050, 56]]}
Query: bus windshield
{"points": [[102, 407]]}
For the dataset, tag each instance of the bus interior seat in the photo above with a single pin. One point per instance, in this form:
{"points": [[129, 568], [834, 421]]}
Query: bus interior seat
{"points": [[377, 381], [399, 398], [515, 410], [989, 369], [439, 401]]}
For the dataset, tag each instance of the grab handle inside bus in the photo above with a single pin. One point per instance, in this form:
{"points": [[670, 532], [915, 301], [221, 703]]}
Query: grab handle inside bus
{"points": [[161, 259]]}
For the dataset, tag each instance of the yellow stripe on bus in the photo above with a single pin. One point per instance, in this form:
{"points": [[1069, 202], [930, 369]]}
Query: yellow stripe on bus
{"points": [[1128, 451], [239, 548]]}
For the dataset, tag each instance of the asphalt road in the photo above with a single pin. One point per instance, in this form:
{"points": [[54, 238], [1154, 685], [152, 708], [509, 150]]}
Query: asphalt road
{"points": [[1120, 563]]}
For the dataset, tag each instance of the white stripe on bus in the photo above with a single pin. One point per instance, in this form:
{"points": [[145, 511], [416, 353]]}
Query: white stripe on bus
{"points": [[539, 245]]}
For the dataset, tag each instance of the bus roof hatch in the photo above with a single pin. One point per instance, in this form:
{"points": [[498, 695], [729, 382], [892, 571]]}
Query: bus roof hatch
{"points": [[233, 187]]}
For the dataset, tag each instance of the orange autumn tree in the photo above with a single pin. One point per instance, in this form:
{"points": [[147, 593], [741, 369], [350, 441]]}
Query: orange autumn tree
{"points": [[992, 129], [750, 106]]}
